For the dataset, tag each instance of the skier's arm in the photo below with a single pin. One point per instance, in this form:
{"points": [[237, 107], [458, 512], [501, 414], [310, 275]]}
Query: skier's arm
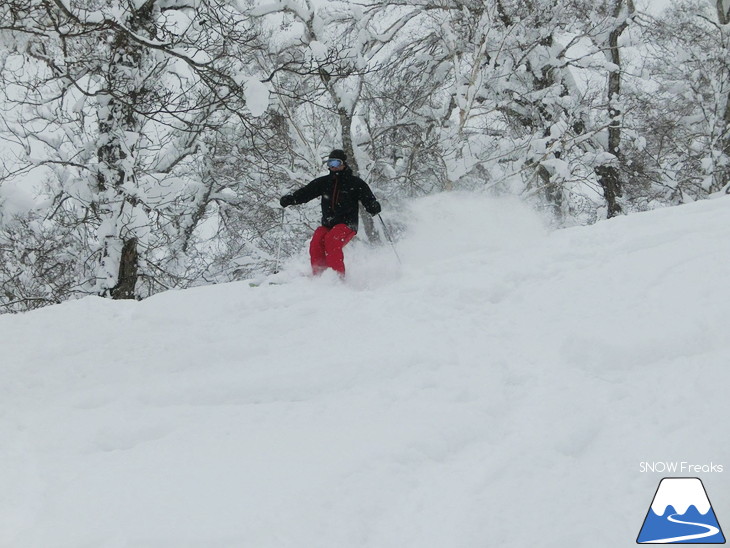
{"points": [[367, 198], [303, 195]]}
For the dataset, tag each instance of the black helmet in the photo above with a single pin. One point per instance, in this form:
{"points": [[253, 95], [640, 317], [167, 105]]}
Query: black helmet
{"points": [[339, 154]]}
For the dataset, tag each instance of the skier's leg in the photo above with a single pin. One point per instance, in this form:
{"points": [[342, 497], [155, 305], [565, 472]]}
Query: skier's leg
{"points": [[334, 241], [317, 254]]}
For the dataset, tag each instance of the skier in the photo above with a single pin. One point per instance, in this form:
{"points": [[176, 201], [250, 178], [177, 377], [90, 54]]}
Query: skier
{"points": [[340, 191]]}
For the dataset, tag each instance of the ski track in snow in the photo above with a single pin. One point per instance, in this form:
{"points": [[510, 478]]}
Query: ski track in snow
{"points": [[498, 389]]}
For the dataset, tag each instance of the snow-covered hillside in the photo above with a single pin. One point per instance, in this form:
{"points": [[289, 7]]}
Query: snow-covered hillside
{"points": [[498, 389]]}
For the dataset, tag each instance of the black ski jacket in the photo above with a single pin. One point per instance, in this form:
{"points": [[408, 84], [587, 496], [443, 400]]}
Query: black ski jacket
{"points": [[340, 191]]}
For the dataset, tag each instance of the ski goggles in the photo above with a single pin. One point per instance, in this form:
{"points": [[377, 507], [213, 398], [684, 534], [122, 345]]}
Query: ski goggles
{"points": [[334, 162]]}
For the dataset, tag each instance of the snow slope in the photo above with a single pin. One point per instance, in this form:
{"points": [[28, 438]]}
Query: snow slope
{"points": [[498, 389]]}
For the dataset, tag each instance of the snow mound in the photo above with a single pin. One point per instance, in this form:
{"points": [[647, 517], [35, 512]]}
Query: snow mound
{"points": [[499, 389]]}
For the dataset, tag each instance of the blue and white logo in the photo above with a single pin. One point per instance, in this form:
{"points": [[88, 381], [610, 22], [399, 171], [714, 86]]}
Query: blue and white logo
{"points": [[681, 513]]}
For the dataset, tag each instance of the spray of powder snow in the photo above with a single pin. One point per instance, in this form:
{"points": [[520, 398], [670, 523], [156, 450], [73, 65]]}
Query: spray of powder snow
{"points": [[431, 230], [452, 224]]}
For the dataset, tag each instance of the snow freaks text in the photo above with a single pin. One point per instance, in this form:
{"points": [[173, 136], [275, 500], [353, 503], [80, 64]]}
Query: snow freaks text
{"points": [[679, 467]]}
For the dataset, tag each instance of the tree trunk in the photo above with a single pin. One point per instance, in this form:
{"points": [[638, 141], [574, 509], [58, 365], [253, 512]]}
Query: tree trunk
{"points": [[125, 289], [608, 174], [723, 14], [722, 175], [346, 126], [610, 180], [118, 270]]}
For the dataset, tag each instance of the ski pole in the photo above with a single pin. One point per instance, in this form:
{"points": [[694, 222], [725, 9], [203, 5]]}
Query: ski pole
{"points": [[278, 246], [387, 236]]}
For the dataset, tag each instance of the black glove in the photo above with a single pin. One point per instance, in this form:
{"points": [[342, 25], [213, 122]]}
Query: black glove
{"points": [[375, 209], [287, 200]]}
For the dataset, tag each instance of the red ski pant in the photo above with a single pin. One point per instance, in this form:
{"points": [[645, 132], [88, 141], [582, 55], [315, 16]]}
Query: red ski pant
{"points": [[325, 249]]}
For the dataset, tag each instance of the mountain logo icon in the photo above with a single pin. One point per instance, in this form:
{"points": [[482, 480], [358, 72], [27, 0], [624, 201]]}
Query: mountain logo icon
{"points": [[680, 513]]}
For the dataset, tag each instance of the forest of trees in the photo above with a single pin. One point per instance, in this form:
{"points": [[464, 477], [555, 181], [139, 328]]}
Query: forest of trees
{"points": [[144, 143]]}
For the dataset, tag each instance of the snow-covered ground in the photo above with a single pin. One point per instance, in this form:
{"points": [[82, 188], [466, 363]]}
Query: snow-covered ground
{"points": [[501, 388]]}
